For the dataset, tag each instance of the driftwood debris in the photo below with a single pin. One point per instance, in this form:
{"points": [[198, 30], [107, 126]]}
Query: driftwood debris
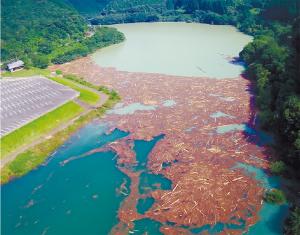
{"points": [[205, 187]]}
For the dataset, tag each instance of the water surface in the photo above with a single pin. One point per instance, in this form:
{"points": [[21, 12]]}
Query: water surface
{"points": [[77, 198], [182, 49], [272, 217], [120, 109]]}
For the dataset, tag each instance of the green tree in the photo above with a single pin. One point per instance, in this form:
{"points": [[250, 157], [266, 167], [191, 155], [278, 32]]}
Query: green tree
{"points": [[40, 61], [278, 167], [274, 196], [293, 223]]}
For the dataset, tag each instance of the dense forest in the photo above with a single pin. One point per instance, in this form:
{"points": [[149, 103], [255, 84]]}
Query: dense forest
{"points": [[273, 64], [41, 32], [246, 15]]}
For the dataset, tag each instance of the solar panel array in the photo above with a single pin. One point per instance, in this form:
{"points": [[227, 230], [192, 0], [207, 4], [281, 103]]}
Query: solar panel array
{"points": [[25, 99]]}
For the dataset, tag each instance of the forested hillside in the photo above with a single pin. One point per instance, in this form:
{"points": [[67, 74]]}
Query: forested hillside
{"points": [[273, 63], [40, 32], [89, 7], [246, 15]]}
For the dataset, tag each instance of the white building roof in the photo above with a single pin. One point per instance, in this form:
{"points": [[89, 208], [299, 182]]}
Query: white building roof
{"points": [[15, 64]]}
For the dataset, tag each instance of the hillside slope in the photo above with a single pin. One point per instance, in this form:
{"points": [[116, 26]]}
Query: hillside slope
{"points": [[96, 7], [40, 32], [89, 7]]}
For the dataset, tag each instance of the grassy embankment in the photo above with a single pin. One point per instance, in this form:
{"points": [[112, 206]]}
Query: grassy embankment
{"points": [[86, 96], [41, 126], [26, 73], [36, 155]]}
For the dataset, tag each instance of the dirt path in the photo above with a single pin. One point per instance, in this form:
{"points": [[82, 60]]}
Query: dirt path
{"points": [[87, 108]]}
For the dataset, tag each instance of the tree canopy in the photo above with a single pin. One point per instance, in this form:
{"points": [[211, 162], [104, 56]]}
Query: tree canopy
{"points": [[40, 32]]}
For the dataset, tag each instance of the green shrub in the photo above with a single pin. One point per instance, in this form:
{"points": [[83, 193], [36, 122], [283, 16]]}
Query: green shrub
{"points": [[274, 196], [278, 167], [58, 72], [292, 226], [40, 61]]}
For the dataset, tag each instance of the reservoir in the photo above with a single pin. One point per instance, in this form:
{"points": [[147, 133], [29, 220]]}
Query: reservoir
{"points": [[81, 190], [181, 49]]}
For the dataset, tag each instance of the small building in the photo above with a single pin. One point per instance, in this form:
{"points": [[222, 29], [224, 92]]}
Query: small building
{"points": [[15, 66]]}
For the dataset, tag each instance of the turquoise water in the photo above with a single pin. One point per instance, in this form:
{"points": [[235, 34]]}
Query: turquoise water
{"points": [[148, 180], [220, 114], [147, 226], [81, 197], [263, 138], [169, 103], [144, 204], [130, 109], [235, 127], [271, 220], [77, 198], [271, 216], [142, 148], [219, 227], [147, 183], [268, 181]]}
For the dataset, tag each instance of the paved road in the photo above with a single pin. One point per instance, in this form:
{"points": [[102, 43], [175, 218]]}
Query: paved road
{"points": [[40, 139]]}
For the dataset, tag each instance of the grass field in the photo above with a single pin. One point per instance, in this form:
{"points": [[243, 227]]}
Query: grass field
{"points": [[85, 95], [27, 73], [38, 127]]}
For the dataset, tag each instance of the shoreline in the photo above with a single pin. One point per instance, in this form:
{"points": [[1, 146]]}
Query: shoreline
{"points": [[38, 151]]}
